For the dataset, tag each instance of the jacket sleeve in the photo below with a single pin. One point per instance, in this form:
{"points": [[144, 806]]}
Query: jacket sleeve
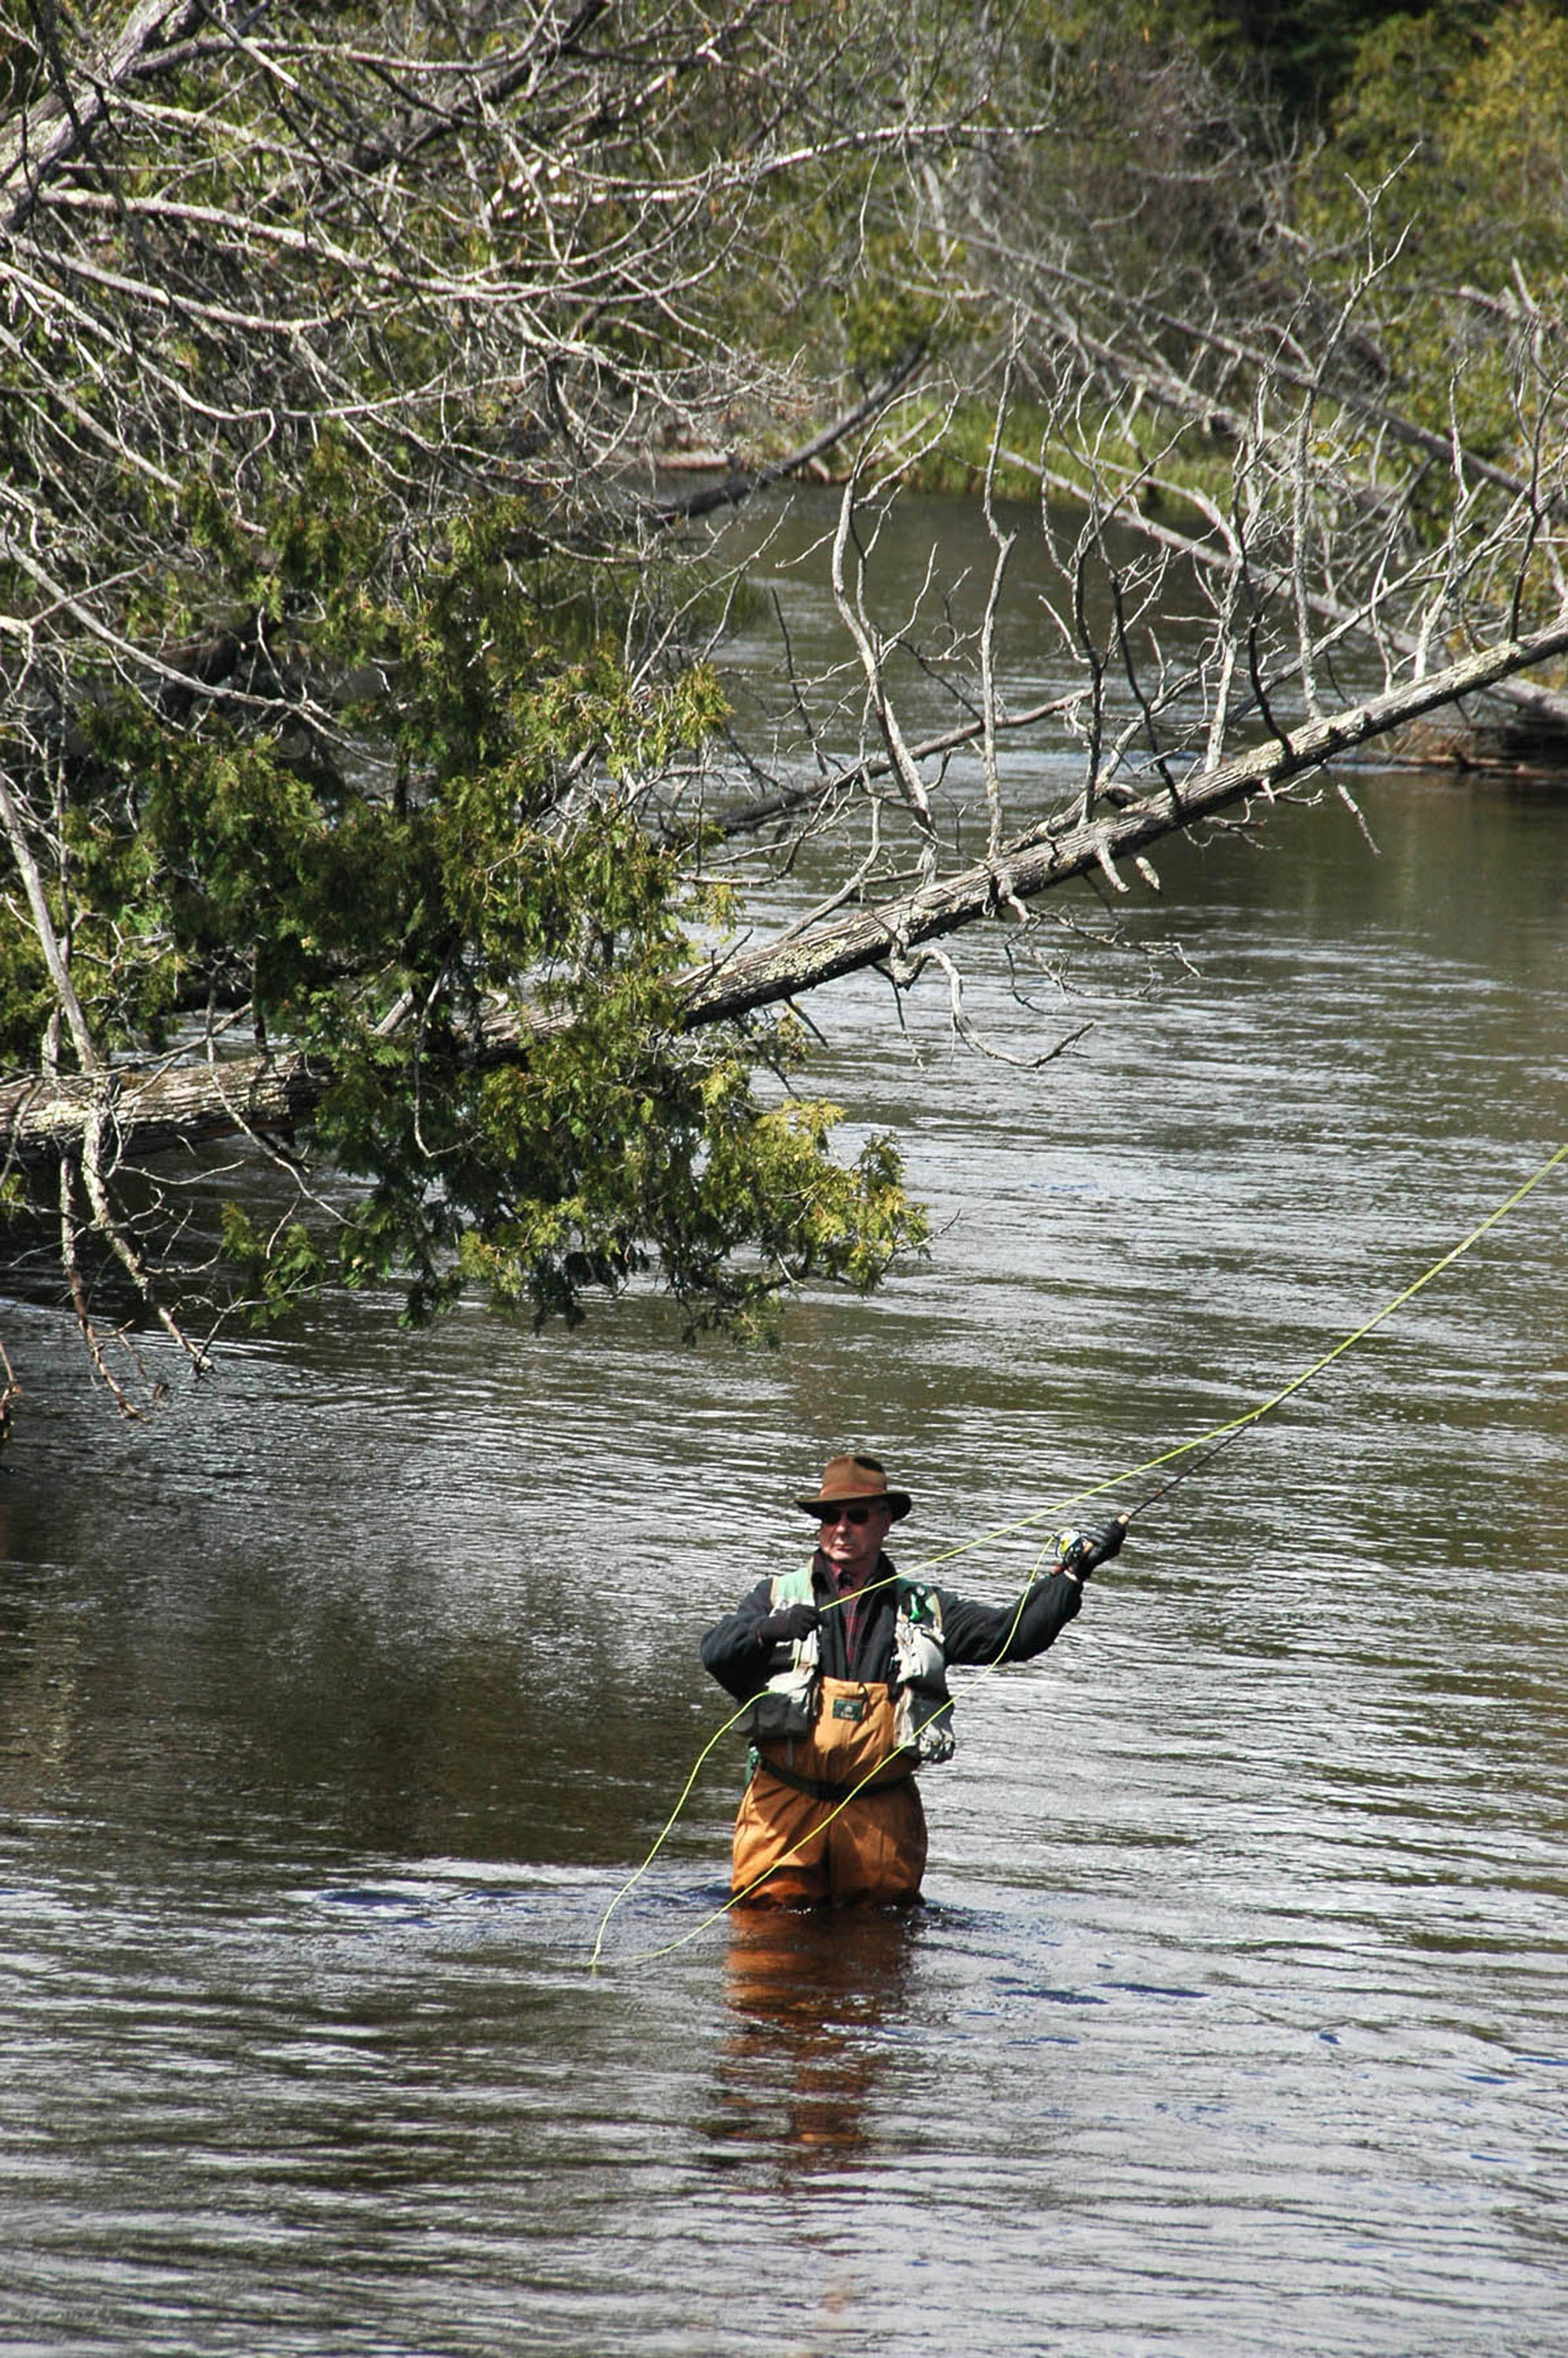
{"points": [[732, 1650], [974, 1634]]}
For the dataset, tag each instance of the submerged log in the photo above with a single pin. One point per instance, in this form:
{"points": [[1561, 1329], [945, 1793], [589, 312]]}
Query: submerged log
{"points": [[1525, 749]]}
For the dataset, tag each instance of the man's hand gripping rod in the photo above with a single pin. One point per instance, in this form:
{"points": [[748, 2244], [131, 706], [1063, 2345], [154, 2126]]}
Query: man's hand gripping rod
{"points": [[1081, 1552]]}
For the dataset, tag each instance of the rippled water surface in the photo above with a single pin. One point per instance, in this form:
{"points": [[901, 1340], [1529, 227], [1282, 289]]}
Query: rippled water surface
{"points": [[339, 1705]]}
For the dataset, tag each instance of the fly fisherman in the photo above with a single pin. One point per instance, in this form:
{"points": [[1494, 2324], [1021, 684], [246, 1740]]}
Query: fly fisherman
{"points": [[844, 1666]]}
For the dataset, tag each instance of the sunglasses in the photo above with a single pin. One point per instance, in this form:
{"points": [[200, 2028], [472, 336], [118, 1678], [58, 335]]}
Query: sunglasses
{"points": [[856, 1514]]}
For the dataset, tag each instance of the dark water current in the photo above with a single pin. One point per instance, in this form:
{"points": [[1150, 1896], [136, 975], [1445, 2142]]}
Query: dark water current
{"points": [[338, 1705]]}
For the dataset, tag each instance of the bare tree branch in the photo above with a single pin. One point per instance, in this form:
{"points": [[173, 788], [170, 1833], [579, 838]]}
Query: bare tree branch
{"points": [[44, 136]]}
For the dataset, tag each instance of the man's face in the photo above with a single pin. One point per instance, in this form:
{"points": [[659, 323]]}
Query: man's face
{"points": [[851, 1539]]}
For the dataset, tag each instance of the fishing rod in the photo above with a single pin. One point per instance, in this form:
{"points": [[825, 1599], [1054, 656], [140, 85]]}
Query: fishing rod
{"points": [[1222, 1436], [1080, 1551]]}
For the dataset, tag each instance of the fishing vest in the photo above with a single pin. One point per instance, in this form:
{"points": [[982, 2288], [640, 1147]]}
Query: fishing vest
{"points": [[923, 1708]]}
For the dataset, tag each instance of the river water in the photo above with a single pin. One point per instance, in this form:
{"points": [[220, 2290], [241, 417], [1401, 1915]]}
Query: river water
{"points": [[340, 1703]]}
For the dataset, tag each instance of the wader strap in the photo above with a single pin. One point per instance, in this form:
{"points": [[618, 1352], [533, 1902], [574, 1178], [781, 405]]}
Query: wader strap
{"points": [[818, 1787]]}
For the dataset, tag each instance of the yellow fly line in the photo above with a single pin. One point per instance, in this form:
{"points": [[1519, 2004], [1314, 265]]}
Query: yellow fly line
{"points": [[1218, 1437], [1239, 1425]]}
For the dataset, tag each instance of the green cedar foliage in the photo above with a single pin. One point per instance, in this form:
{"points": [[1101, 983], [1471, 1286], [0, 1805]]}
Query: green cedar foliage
{"points": [[1448, 160], [441, 873], [349, 694], [1469, 108], [1302, 50]]}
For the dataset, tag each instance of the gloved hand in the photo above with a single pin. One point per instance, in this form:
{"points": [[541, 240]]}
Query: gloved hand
{"points": [[1080, 1552], [787, 1626]]}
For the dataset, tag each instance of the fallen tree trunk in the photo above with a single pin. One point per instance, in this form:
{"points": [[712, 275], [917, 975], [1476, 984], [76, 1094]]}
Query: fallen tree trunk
{"points": [[151, 1112], [1049, 856]]}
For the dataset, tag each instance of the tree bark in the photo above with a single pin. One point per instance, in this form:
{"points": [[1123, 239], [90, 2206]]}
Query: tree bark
{"points": [[47, 135], [184, 1106]]}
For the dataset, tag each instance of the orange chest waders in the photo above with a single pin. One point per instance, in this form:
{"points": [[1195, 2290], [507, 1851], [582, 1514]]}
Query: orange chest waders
{"points": [[834, 1813]]}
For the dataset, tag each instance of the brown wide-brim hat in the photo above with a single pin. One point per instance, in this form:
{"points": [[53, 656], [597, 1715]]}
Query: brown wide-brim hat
{"points": [[850, 1480]]}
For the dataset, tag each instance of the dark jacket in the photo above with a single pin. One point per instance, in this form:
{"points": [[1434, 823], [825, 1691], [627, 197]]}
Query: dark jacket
{"points": [[972, 1634]]}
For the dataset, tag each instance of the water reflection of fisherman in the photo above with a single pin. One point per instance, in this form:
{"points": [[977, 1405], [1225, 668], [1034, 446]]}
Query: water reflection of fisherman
{"points": [[804, 2067], [844, 1663]]}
